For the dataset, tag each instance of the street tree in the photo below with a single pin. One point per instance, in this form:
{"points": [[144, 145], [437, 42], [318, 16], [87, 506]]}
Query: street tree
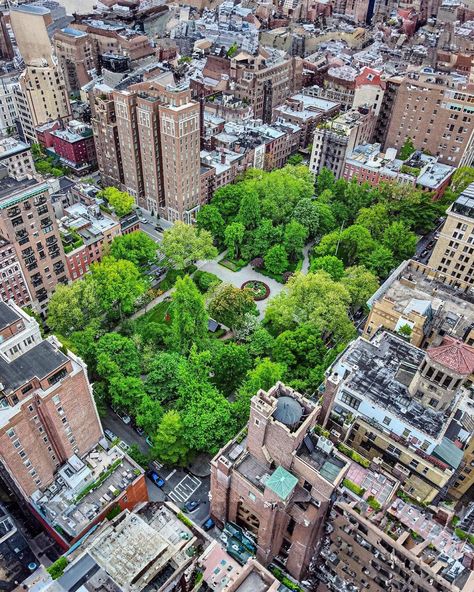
{"points": [[136, 247], [121, 201], [126, 392], [117, 355], [184, 244], [230, 364], [400, 240], [169, 444]]}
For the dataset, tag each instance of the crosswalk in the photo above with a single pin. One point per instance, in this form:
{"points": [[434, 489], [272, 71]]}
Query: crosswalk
{"points": [[185, 489]]}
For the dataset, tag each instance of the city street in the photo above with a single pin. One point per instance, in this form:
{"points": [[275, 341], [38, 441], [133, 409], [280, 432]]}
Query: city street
{"points": [[423, 251]]}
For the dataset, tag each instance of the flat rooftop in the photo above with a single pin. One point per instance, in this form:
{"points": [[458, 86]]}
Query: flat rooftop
{"points": [[12, 191], [320, 454], [8, 315], [376, 369]]}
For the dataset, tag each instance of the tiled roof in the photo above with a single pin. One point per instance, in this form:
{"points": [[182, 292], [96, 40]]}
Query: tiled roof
{"points": [[455, 355]]}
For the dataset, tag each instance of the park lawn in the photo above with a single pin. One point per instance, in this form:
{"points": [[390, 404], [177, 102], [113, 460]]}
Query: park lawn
{"points": [[156, 315], [233, 264]]}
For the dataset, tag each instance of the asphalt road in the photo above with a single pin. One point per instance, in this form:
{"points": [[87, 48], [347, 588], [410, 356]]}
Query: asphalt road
{"points": [[423, 243], [180, 486]]}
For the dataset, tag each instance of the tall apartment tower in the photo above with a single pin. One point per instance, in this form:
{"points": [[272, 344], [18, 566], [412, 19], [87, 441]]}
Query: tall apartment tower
{"points": [[6, 47], [453, 255], [47, 412], [28, 224], [159, 130], [76, 55], [42, 82], [435, 111]]}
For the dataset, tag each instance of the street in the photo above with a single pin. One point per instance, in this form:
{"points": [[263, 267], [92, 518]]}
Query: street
{"points": [[149, 226], [424, 242], [180, 486]]}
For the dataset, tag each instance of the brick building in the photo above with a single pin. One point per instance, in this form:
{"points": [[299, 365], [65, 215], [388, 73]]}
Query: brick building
{"points": [[75, 147], [13, 284], [16, 157], [76, 57], [277, 483], [49, 412], [28, 223]]}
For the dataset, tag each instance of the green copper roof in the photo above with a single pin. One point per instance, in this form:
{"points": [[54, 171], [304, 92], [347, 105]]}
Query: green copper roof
{"points": [[281, 482]]}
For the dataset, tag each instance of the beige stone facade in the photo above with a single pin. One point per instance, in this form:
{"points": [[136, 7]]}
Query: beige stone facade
{"points": [[76, 56]]}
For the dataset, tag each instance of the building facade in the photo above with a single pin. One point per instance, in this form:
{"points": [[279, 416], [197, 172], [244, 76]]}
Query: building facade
{"points": [[76, 56]]}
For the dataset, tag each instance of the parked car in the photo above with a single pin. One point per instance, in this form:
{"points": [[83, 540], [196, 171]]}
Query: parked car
{"points": [[123, 416], [158, 228], [124, 446], [208, 524], [140, 431], [149, 441], [143, 220], [157, 480], [431, 244], [110, 435], [191, 505], [425, 253]]}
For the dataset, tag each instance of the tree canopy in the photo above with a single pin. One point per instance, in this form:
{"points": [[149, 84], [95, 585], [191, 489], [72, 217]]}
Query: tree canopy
{"points": [[121, 201], [184, 244]]}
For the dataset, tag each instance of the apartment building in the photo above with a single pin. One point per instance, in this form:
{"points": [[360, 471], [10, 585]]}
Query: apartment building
{"points": [[6, 46], [436, 111], [76, 56], [392, 401], [16, 157], [8, 106], [48, 412], [75, 147], [28, 223], [106, 138], [276, 483], [335, 140], [404, 549], [159, 134], [13, 284], [453, 254], [42, 82]]}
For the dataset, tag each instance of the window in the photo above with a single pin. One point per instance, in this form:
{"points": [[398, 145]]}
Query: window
{"points": [[406, 433], [386, 420], [348, 399], [252, 496]]}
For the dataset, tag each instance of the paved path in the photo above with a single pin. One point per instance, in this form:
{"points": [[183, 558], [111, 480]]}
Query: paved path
{"points": [[237, 278], [306, 251]]}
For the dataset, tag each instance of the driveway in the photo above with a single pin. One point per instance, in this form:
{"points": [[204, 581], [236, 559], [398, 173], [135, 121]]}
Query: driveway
{"points": [[237, 278]]}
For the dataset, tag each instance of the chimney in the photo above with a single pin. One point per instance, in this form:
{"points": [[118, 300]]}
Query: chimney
{"points": [[222, 158]]}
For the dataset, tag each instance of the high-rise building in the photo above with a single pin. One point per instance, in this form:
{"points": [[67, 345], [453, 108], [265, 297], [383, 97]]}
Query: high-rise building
{"points": [[159, 136], [28, 223], [76, 55], [42, 82], [453, 254], [277, 483], [48, 412], [6, 47], [435, 111]]}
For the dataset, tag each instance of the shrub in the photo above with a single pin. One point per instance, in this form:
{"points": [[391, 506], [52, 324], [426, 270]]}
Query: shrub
{"points": [[257, 263], [185, 520], [373, 503], [353, 487], [57, 568], [115, 511], [205, 280], [355, 456]]}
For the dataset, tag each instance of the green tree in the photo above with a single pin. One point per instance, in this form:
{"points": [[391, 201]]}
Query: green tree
{"points": [[148, 414], [188, 316], [266, 235], [306, 213], [230, 364], [209, 218], [327, 221], [84, 344], [126, 392], [163, 379], [407, 149], [405, 330], [261, 343], [379, 261], [169, 444], [330, 264], [229, 305], [351, 245], [294, 239], [324, 181], [73, 307], [183, 245], [375, 219], [249, 211], [295, 159], [227, 200], [117, 355], [361, 284], [462, 177], [233, 238], [121, 201], [276, 259], [312, 298], [136, 247], [118, 285], [400, 241]]}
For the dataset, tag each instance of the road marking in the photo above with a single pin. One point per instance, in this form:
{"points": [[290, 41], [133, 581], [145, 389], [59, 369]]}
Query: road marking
{"points": [[171, 474], [185, 489]]}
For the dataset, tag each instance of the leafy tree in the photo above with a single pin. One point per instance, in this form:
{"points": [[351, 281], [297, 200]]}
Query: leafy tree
{"points": [[169, 444], [209, 218], [73, 307], [100, 392], [121, 201], [205, 281], [263, 376], [325, 180], [361, 284], [306, 213], [407, 149], [462, 177], [375, 219], [163, 379], [327, 220], [276, 259], [230, 364], [298, 348], [379, 261], [400, 240], [351, 245], [84, 344], [155, 334], [246, 326], [126, 392], [312, 298], [261, 343], [188, 316], [117, 355], [330, 264], [295, 159], [227, 200], [136, 247], [249, 211], [148, 414], [183, 245], [405, 330], [266, 236], [233, 238], [118, 285], [294, 239], [229, 304]]}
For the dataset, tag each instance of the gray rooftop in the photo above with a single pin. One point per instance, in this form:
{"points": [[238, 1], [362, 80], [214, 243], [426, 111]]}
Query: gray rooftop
{"points": [[8, 316]]}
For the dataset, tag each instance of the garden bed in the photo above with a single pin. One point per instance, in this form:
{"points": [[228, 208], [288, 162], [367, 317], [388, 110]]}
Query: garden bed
{"points": [[232, 264], [259, 289]]}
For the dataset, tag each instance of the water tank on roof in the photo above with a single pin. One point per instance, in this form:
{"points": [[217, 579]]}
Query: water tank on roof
{"points": [[288, 411]]}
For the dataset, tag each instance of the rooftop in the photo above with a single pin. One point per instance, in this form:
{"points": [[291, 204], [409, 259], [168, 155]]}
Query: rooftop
{"points": [[13, 191], [31, 9], [320, 454], [8, 315], [464, 204], [282, 483], [84, 488], [11, 146], [455, 355]]}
